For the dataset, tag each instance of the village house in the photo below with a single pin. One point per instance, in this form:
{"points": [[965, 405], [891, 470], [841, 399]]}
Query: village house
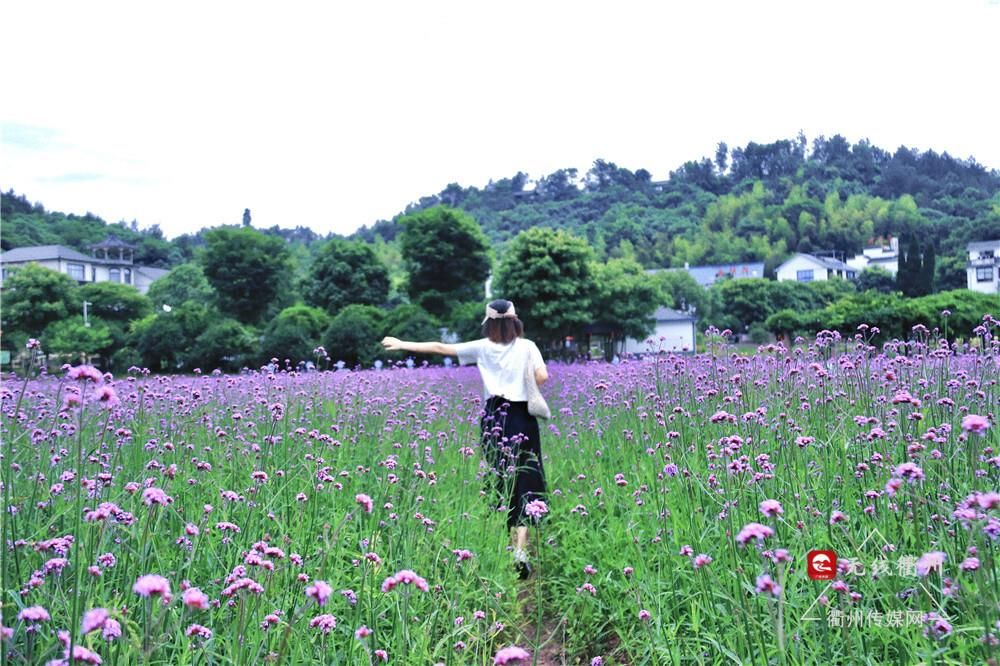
{"points": [[709, 274], [882, 255], [111, 260], [982, 272], [674, 332], [810, 268]]}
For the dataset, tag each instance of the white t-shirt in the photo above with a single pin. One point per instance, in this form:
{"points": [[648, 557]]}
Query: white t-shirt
{"points": [[501, 366]]}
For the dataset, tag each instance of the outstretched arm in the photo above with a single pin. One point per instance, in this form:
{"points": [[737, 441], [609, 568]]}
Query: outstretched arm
{"points": [[395, 344]]}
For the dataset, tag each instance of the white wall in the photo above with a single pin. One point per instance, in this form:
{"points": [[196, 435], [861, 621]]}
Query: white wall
{"points": [[669, 336], [92, 272], [891, 266], [790, 268], [140, 281], [860, 262], [981, 262], [51, 264], [991, 286]]}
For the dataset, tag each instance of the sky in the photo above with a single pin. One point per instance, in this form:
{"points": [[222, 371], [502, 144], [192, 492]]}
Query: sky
{"points": [[335, 115]]}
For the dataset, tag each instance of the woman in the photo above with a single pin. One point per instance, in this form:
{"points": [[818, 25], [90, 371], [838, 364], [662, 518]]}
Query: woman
{"points": [[510, 435]]}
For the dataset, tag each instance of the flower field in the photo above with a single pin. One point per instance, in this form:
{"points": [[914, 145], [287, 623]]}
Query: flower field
{"points": [[344, 517]]}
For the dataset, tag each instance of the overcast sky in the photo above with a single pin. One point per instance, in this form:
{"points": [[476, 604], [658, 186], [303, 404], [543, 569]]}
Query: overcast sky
{"points": [[335, 115]]}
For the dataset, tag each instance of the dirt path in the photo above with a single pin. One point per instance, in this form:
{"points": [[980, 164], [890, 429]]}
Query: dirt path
{"points": [[552, 652]]}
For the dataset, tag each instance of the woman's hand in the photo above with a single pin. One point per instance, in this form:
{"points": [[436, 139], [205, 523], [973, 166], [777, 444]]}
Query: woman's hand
{"points": [[392, 344]]}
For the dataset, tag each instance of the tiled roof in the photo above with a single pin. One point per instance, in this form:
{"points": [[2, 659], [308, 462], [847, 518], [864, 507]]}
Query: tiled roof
{"points": [[113, 241], [42, 253], [668, 314], [825, 262], [151, 273], [983, 245]]}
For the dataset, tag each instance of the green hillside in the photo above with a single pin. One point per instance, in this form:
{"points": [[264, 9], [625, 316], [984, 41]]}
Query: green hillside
{"points": [[760, 202]]}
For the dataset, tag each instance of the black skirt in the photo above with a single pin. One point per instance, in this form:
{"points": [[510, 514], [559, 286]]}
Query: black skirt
{"points": [[511, 445]]}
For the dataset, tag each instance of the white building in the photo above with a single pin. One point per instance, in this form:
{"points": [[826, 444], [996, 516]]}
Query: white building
{"points": [[983, 270], [112, 261], [884, 256], [708, 275], [810, 268], [675, 332]]}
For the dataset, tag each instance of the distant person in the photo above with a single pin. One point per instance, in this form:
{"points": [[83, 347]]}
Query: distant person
{"points": [[509, 433]]}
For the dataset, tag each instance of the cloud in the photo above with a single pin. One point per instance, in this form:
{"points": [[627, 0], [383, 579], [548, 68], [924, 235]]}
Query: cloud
{"points": [[72, 178], [339, 114], [29, 137]]}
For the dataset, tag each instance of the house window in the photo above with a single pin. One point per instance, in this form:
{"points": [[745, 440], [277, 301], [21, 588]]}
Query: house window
{"points": [[76, 271], [3, 274], [114, 275], [93, 273], [804, 276], [127, 273], [984, 274], [986, 254], [851, 275]]}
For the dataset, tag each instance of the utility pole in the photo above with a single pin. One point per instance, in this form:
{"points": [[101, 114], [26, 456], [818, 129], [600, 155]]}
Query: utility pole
{"points": [[85, 321]]}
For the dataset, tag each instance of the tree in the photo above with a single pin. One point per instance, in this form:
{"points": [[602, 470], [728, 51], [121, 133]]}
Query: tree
{"points": [[784, 323], [747, 300], [294, 333], [354, 335], [558, 186], [916, 270], [249, 271], [951, 272], [683, 290], [345, 272], [624, 301], [411, 322], [184, 283], [908, 276], [548, 276], [465, 320], [71, 336], [246, 217], [821, 293], [114, 302], [447, 257], [35, 296], [721, 157], [927, 268], [164, 341], [877, 279], [226, 344]]}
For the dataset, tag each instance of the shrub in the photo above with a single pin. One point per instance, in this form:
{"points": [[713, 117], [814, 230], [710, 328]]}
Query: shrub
{"points": [[294, 333], [354, 335]]}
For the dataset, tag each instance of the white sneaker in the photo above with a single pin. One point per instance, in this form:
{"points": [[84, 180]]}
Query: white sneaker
{"points": [[521, 563]]}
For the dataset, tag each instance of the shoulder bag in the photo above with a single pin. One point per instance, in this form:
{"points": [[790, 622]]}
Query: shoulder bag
{"points": [[536, 402]]}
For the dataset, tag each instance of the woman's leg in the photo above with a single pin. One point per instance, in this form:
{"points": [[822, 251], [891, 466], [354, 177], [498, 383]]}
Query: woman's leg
{"points": [[521, 537], [529, 481]]}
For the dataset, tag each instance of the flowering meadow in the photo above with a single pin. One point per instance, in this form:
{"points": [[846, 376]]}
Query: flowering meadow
{"points": [[342, 517]]}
